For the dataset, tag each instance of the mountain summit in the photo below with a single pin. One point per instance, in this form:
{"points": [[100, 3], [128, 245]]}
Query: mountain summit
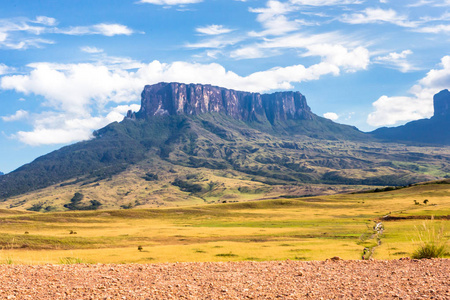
{"points": [[435, 130], [195, 99], [441, 103]]}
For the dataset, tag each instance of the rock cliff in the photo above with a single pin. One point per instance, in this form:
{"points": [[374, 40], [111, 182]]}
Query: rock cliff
{"points": [[194, 99], [441, 102]]}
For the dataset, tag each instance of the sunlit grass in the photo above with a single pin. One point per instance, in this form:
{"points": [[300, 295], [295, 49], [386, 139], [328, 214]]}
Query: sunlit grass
{"points": [[432, 241], [297, 229]]}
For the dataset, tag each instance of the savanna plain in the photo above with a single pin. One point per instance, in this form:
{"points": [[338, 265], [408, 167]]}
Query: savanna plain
{"points": [[386, 224]]}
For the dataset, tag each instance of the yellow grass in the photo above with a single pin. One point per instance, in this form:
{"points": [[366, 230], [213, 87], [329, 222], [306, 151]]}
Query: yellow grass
{"points": [[312, 228]]}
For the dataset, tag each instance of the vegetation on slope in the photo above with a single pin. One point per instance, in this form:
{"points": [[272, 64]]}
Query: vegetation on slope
{"points": [[295, 153]]}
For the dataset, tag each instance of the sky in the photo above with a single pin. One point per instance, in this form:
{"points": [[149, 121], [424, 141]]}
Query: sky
{"points": [[70, 67]]}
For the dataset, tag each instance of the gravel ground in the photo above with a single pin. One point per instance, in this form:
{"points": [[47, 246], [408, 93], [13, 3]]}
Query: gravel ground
{"points": [[401, 279]]}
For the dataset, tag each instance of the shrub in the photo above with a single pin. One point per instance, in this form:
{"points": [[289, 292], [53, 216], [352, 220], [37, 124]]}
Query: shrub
{"points": [[36, 207], [432, 241], [186, 186], [150, 177]]}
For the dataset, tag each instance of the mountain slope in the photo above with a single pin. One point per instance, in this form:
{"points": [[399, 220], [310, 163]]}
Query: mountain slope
{"points": [[267, 144], [435, 130]]}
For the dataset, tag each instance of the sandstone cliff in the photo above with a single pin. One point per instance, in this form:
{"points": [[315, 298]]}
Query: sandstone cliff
{"points": [[441, 102], [194, 99]]}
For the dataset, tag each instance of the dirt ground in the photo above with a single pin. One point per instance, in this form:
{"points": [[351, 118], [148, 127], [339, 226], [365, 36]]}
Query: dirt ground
{"points": [[395, 279]]}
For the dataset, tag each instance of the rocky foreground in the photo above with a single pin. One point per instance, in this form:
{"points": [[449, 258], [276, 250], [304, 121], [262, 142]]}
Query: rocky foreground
{"points": [[399, 279]]}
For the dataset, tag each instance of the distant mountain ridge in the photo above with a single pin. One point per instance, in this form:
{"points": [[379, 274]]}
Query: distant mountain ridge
{"points": [[435, 130]]}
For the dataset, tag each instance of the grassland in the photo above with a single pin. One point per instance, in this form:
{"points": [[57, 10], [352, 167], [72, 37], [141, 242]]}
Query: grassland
{"points": [[310, 228]]}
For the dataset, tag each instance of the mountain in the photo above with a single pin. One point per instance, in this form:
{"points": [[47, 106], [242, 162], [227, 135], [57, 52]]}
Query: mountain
{"points": [[281, 113], [435, 130], [196, 99], [200, 143], [1, 173]]}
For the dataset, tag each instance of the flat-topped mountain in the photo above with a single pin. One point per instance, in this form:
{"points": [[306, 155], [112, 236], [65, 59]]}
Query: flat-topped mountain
{"points": [[195, 99], [192, 142], [435, 130]]}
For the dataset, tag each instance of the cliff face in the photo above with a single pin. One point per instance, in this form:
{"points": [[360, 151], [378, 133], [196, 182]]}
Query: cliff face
{"points": [[195, 99], [441, 102]]}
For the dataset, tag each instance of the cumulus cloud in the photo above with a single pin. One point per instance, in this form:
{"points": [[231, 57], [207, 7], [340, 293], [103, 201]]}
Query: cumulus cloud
{"points": [[19, 115], [350, 61], [213, 29], [378, 15], [331, 115], [60, 128], [397, 61], [170, 2], [392, 110]]}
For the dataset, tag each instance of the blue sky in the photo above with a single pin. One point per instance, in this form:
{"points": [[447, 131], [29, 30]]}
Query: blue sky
{"points": [[70, 67]]}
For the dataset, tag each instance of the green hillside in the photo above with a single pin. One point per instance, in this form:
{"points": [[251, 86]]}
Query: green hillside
{"points": [[170, 160]]}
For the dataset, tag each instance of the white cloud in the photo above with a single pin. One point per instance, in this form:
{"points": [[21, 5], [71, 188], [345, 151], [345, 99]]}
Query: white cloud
{"points": [[325, 2], [57, 128], [331, 115], [75, 88], [397, 61], [302, 41], [213, 29], [217, 42], [436, 3], [123, 109], [4, 69], [273, 18], [435, 29], [421, 3], [378, 15], [27, 43], [92, 50], [102, 29], [20, 33], [248, 52], [19, 115], [391, 110], [350, 61], [170, 2], [47, 21]]}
